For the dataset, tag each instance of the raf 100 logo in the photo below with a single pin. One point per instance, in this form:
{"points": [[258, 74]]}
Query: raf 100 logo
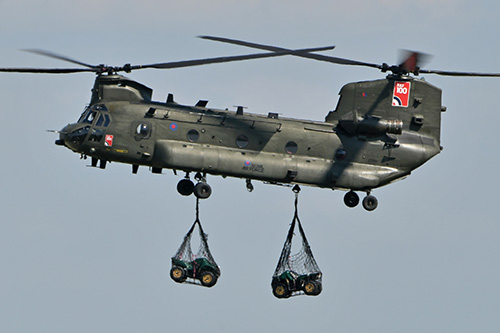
{"points": [[401, 94]]}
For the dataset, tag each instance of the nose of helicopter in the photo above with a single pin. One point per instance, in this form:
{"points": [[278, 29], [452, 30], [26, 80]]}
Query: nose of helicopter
{"points": [[60, 141], [72, 136]]}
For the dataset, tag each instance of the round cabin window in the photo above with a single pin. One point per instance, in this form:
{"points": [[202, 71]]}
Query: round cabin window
{"points": [[340, 154], [193, 135], [291, 147], [242, 141], [143, 130]]}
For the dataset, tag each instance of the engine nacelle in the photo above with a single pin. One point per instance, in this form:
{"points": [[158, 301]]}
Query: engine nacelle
{"points": [[373, 125], [370, 125]]}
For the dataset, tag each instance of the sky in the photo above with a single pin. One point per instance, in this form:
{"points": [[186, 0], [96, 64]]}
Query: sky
{"points": [[84, 249]]}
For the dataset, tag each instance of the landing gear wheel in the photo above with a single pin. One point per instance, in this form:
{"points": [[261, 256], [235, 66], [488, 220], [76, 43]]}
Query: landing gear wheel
{"points": [[312, 288], [370, 203], [178, 274], [185, 187], [202, 190], [280, 290], [208, 279], [351, 199]]}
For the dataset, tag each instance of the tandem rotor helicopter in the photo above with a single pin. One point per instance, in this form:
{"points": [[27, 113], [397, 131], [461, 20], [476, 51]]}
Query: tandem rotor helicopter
{"points": [[379, 132]]}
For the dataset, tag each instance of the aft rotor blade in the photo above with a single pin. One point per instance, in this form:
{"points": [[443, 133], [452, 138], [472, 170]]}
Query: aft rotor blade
{"points": [[299, 53], [448, 73], [58, 56], [198, 62], [47, 70], [411, 61]]}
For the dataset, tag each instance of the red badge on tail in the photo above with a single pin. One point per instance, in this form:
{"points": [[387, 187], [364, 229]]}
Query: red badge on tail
{"points": [[401, 94]]}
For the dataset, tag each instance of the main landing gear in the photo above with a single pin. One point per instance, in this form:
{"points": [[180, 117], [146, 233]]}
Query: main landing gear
{"points": [[351, 199], [201, 190]]}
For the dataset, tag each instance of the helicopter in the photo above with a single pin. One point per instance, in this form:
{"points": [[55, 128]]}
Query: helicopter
{"points": [[380, 131]]}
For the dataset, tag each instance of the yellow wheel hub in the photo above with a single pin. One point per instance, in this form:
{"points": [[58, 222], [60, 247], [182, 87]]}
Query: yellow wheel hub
{"points": [[280, 290], [309, 287], [207, 278], [177, 273]]}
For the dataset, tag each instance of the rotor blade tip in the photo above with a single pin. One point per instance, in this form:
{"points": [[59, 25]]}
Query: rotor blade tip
{"points": [[208, 37]]}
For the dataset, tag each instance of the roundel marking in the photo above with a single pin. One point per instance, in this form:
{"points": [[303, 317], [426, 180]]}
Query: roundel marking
{"points": [[396, 101]]}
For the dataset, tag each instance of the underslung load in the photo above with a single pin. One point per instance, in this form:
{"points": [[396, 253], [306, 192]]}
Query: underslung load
{"points": [[299, 272], [193, 267]]}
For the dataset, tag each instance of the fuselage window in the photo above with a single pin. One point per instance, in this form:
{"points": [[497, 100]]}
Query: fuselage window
{"points": [[143, 130], [242, 141], [340, 154], [193, 135], [291, 147]]}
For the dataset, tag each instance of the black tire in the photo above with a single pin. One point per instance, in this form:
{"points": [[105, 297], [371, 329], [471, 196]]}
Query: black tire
{"points": [[351, 199], [208, 279], [370, 203], [185, 187], [280, 290], [312, 288], [178, 274], [202, 190]]}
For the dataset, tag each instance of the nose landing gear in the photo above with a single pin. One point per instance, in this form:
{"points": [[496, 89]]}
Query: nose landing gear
{"points": [[351, 199]]}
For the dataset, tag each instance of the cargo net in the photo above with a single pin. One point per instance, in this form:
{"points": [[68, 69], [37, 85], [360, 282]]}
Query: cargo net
{"points": [[297, 273], [196, 268]]}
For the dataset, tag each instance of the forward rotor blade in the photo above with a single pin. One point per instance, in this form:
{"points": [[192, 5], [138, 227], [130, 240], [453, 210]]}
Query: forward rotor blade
{"points": [[299, 53], [448, 73], [57, 56], [165, 65], [47, 70], [198, 62]]}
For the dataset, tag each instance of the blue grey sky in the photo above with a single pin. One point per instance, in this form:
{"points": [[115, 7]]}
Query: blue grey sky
{"points": [[88, 250]]}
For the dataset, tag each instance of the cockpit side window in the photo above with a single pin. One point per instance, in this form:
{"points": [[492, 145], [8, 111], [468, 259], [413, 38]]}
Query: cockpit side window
{"points": [[89, 119], [91, 112], [77, 136], [106, 120], [96, 135], [102, 120]]}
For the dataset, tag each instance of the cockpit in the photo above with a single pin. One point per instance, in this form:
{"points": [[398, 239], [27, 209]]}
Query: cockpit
{"points": [[99, 112], [91, 126]]}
